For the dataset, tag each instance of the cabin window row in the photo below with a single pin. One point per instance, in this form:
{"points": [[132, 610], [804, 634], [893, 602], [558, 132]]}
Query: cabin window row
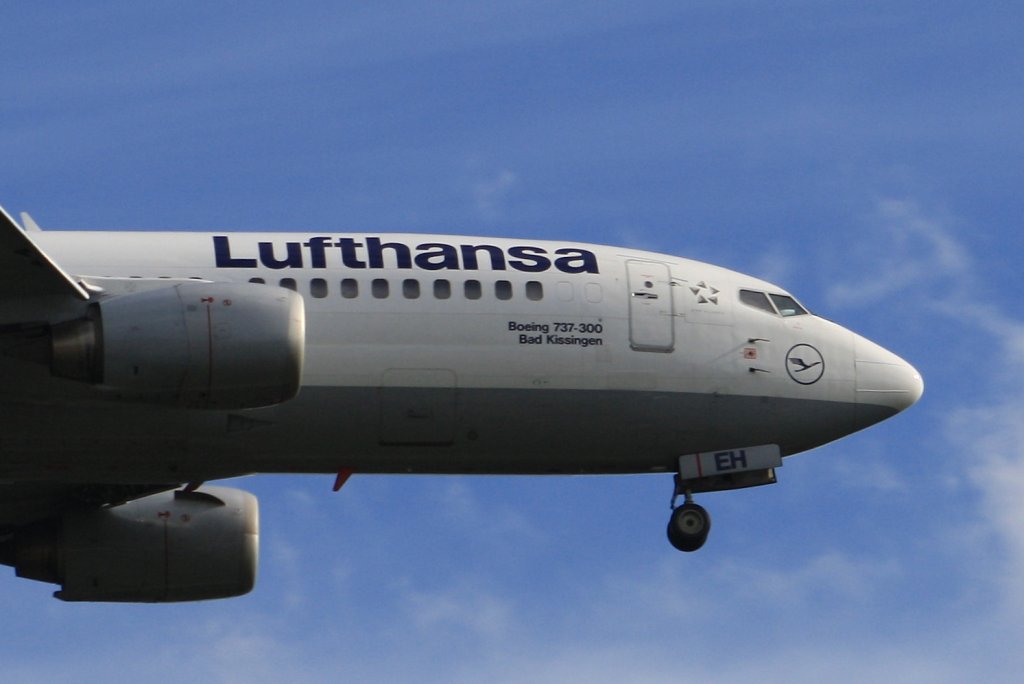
{"points": [[410, 288]]}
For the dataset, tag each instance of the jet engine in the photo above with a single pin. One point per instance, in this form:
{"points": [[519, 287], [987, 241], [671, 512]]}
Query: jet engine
{"points": [[172, 546], [198, 345]]}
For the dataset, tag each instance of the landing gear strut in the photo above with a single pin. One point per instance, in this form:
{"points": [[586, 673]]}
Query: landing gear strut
{"points": [[689, 525]]}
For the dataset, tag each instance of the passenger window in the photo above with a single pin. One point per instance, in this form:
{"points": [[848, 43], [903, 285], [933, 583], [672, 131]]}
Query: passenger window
{"points": [[411, 288], [473, 289], [442, 289], [503, 289], [349, 288], [380, 288], [258, 281], [318, 288], [787, 305], [288, 284], [534, 290], [758, 300]]}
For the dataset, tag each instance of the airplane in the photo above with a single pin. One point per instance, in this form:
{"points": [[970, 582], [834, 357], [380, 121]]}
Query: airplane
{"points": [[139, 366]]}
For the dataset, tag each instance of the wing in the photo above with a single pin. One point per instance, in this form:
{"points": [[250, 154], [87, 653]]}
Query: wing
{"points": [[25, 270], [23, 503]]}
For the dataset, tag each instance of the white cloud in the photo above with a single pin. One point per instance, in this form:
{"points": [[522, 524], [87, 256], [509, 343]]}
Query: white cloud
{"points": [[775, 266], [463, 607], [913, 254], [460, 504], [1007, 331], [287, 559], [986, 431], [991, 439], [903, 247], [871, 472], [491, 193]]}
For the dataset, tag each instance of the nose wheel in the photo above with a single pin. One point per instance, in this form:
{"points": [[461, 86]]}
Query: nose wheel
{"points": [[689, 525]]}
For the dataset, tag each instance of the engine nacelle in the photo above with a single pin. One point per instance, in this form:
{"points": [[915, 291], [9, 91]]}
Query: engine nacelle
{"points": [[199, 345], [172, 546]]}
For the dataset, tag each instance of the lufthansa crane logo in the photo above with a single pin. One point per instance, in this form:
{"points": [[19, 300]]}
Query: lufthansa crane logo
{"points": [[805, 364]]}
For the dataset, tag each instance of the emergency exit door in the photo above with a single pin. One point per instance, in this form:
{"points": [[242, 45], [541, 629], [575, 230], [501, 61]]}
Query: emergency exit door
{"points": [[651, 315]]}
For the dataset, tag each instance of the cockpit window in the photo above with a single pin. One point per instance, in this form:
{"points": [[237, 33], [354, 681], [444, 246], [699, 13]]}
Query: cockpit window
{"points": [[788, 306], [758, 300], [779, 304]]}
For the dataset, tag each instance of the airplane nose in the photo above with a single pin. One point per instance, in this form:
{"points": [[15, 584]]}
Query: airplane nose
{"points": [[883, 379]]}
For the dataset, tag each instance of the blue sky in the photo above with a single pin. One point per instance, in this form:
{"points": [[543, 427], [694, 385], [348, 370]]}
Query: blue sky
{"points": [[866, 156]]}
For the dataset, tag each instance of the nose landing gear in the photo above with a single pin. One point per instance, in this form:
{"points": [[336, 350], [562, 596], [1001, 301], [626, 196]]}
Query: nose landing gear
{"points": [[715, 471], [689, 525]]}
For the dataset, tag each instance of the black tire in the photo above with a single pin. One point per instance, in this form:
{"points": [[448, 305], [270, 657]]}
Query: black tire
{"points": [[688, 527]]}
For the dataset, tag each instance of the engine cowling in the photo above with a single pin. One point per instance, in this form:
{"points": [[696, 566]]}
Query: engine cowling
{"points": [[172, 546], [199, 345]]}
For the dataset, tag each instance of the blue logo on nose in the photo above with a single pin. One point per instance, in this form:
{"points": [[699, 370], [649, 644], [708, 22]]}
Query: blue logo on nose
{"points": [[805, 364]]}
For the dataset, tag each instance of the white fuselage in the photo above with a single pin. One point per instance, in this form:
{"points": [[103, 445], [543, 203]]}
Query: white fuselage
{"points": [[429, 353]]}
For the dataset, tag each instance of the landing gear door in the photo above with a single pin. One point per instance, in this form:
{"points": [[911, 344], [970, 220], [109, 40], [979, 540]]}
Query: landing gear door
{"points": [[651, 313]]}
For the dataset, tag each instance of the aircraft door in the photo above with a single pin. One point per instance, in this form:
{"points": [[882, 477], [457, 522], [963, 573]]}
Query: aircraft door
{"points": [[651, 311]]}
